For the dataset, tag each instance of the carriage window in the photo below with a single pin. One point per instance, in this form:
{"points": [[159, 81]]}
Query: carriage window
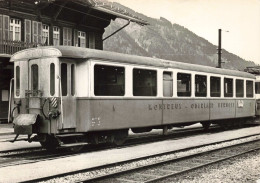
{"points": [[214, 86], [200, 86], [239, 88], [34, 77], [183, 85], [109, 80], [249, 89], [72, 79], [52, 79], [64, 84], [144, 82], [228, 87], [167, 84], [257, 87], [17, 80]]}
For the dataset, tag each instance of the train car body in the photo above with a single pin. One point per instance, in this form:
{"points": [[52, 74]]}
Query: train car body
{"points": [[67, 91]]}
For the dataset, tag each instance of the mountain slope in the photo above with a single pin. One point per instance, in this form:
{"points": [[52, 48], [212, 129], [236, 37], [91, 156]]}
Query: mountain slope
{"points": [[162, 39]]}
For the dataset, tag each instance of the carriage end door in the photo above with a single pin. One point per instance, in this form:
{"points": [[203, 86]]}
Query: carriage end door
{"points": [[67, 73]]}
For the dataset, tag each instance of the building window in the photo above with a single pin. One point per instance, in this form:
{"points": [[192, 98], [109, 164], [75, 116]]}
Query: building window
{"points": [[228, 87], [167, 84], [45, 34], [64, 79], [109, 80], [67, 36], [81, 39], [200, 86], [56, 36], [144, 82], [249, 89], [15, 30], [183, 85], [239, 88], [52, 79], [72, 72], [215, 86]]}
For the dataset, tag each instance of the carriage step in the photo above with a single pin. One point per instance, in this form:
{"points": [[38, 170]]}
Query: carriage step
{"points": [[70, 135], [74, 144]]}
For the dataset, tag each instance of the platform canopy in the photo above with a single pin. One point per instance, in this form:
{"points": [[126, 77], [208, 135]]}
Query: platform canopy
{"points": [[90, 10]]}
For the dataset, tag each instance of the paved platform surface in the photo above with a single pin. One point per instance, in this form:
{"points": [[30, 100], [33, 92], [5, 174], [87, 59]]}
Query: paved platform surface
{"points": [[27, 172], [6, 128]]}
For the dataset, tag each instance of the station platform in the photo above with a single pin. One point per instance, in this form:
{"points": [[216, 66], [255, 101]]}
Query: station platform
{"points": [[6, 128], [26, 172]]}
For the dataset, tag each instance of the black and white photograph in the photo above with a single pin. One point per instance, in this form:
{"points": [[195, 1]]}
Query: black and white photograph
{"points": [[130, 91]]}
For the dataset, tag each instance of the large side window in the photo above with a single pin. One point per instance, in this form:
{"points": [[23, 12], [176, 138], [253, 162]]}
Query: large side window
{"points": [[183, 85], [215, 86], [167, 84], [109, 80], [249, 89], [200, 86], [64, 78], [72, 80], [144, 82], [52, 79], [228, 87], [35, 77], [17, 80], [239, 88]]}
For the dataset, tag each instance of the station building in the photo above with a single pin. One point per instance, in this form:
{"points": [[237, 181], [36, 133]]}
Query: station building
{"points": [[31, 23]]}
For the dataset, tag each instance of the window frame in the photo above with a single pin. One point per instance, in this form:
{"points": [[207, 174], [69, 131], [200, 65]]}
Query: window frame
{"points": [[15, 26], [247, 95], [195, 90], [156, 81], [226, 87], [172, 83], [220, 88], [108, 65], [240, 79], [190, 85], [62, 82], [52, 82]]}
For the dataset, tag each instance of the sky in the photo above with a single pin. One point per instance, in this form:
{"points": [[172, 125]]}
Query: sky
{"points": [[238, 19]]}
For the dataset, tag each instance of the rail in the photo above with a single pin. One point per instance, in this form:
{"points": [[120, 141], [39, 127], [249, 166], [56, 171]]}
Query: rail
{"points": [[11, 47]]}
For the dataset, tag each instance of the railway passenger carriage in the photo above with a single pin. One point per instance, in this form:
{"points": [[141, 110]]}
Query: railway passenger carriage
{"points": [[69, 95]]}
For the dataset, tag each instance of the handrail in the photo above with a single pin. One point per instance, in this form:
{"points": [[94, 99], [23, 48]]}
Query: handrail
{"points": [[10, 99]]}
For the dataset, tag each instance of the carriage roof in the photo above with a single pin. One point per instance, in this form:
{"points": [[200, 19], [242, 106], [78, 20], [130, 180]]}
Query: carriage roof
{"points": [[83, 54]]}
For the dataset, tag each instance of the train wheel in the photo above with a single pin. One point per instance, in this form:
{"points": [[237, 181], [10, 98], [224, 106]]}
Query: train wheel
{"points": [[120, 137], [205, 126], [50, 143]]}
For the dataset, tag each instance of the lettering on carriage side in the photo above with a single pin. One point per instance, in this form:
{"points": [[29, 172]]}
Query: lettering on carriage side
{"points": [[96, 121], [226, 105], [164, 107], [201, 106]]}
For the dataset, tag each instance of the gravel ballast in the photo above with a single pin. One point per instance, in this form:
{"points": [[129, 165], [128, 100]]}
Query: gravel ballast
{"points": [[242, 169]]}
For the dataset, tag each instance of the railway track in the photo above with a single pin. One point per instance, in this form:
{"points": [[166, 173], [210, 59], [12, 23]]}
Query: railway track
{"points": [[32, 155], [157, 167]]}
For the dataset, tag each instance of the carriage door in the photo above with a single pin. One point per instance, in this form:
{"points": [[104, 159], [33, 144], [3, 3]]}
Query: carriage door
{"points": [[67, 73]]}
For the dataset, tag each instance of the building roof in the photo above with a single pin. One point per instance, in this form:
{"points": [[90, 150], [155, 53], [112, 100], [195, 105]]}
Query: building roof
{"points": [[110, 8], [83, 54]]}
